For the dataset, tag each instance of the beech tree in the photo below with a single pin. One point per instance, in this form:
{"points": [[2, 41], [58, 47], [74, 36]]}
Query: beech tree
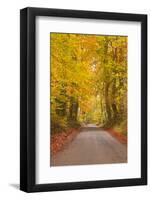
{"points": [[88, 80]]}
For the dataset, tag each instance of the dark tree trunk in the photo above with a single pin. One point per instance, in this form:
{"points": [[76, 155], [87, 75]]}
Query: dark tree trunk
{"points": [[114, 108], [107, 101], [73, 110]]}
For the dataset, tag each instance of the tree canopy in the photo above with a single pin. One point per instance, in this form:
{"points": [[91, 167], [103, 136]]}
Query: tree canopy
{"points": [[88, 80]]}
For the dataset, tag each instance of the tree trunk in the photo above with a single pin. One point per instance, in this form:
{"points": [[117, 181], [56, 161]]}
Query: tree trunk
{"points": [[107, 102], [73, 110], [114, 108]]}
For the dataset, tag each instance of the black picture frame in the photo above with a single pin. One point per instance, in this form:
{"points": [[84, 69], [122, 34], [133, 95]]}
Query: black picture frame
{"points": [[28, 99]]}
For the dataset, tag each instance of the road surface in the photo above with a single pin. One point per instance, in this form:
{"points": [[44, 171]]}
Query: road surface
{"points": [[91, 146]]}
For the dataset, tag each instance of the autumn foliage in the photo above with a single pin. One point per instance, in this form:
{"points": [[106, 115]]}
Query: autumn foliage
{"points": [[88, 81]]}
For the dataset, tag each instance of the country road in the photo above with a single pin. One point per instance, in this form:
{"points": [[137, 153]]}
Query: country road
{"points": [[91, 146]]}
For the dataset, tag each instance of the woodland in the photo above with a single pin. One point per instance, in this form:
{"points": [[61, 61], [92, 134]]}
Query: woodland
{"points": [[88, 81]]}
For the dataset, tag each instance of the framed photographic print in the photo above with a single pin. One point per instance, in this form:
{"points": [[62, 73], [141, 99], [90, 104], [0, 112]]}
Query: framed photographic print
{"points": [[83, 99]]}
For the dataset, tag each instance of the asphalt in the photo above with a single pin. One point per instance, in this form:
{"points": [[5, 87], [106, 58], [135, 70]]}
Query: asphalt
{"points": [[91, 146]]}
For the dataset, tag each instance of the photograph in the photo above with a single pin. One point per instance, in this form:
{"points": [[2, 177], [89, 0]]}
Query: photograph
{"points": [[88, 99], [83, 99]]}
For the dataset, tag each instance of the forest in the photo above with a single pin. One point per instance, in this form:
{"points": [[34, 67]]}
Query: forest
{"points": [[88, 83]]}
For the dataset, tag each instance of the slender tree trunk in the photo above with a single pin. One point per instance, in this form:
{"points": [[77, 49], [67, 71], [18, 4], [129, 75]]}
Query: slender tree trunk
{"points": [[114, 108], [107, 102], [73, 110]]}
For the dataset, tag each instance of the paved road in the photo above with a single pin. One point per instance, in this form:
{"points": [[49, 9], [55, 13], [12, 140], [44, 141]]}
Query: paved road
{"points": [[91, 146]]}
